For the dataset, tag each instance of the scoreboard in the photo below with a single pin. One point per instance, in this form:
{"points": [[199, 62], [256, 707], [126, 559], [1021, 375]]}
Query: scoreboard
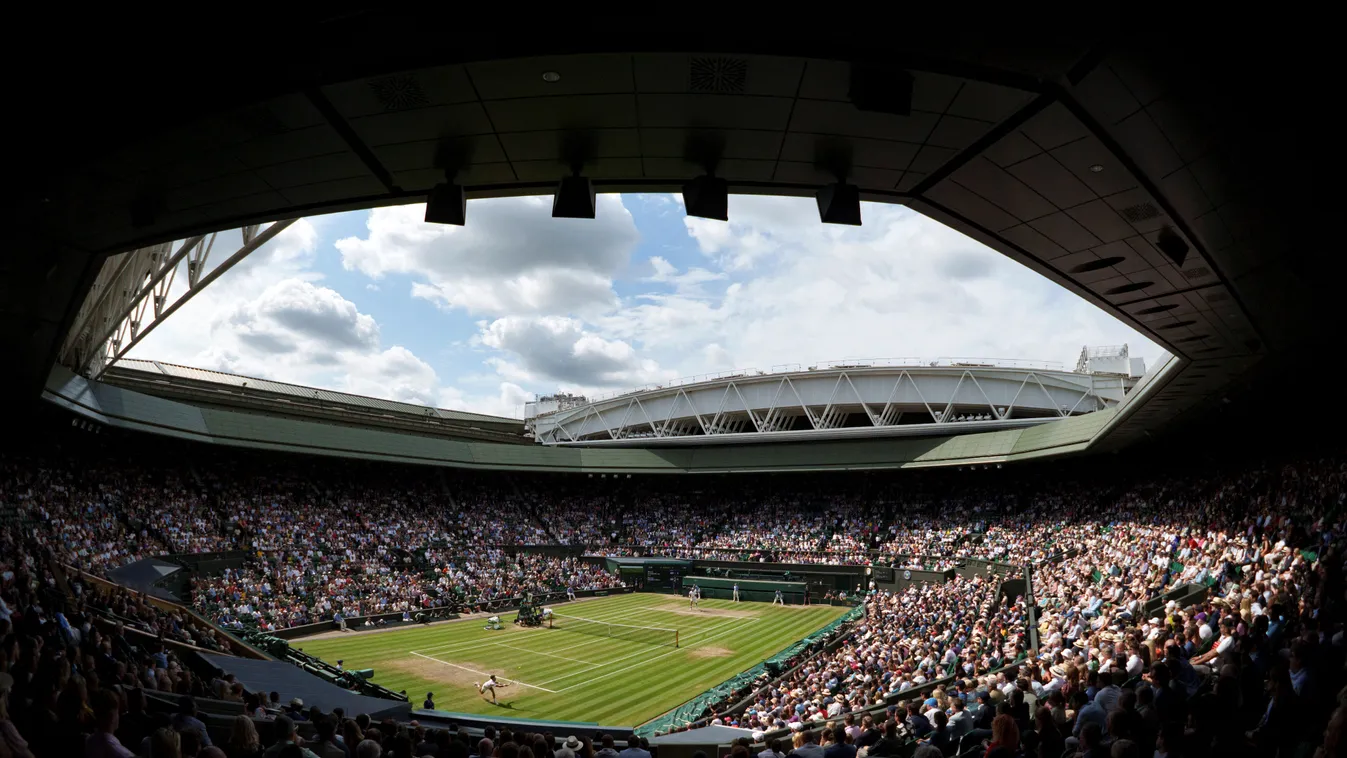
{"points": [[664, 577]]}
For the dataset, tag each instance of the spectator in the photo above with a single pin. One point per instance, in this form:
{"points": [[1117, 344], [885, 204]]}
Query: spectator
{"points": [[243, 739], [103, 743], [634, 749], [286, 736], [1005, 738]]}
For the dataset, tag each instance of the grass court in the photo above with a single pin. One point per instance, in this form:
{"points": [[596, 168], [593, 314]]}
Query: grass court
{"points": [[568, 675]]}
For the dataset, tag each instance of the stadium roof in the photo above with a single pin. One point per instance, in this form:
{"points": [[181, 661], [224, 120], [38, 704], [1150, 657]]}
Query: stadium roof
{"points": [[1134, 172], [219, 388]]}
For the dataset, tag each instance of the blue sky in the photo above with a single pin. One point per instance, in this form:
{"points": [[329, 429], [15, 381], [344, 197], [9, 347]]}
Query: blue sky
{"points": [[517, 303]]}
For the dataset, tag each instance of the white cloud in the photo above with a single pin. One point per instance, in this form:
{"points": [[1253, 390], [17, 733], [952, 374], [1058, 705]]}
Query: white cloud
{"points": [[271, 317], [555, 348], [773, 287], [900, 286], [511, 257]]}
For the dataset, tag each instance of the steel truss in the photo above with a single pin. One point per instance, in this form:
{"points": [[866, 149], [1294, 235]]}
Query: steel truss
{"points": [[630, 418], [131, 295]]}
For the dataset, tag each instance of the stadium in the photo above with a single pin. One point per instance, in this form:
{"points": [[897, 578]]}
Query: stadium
{"points": [[447, 493]]}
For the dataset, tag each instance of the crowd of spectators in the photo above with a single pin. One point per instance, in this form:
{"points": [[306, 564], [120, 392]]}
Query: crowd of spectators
{"points": [[905, 639], [1263, 645]]}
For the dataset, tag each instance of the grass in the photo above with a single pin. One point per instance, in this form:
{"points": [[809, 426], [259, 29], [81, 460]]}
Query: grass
{"points": [[569, 676]]}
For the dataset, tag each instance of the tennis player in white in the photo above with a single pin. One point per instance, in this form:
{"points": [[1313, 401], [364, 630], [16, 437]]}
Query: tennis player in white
{"points": [[736, 592], [694, 595], [490, 685], [778, 599]]}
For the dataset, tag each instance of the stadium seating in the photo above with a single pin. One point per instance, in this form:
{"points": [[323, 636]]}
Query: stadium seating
{"points": [[1156, 604]]}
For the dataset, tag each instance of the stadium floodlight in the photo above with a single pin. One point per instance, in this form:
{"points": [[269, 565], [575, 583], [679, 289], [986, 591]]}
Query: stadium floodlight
{"points": [[707, 197], [574, 197], [839, 203], [447, 204]]}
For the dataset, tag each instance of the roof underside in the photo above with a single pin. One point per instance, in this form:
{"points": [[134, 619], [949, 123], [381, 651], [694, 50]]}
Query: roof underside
{"points": [[1070, 157]]}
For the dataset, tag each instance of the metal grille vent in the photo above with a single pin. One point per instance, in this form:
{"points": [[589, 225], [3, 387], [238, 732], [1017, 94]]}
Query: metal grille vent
{"points": [[721, 75], [399, 92], [1140, 212], [1197, 272]]}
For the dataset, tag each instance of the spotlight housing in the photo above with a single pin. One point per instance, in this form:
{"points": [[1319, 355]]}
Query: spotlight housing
{"points": [[574, 198], [447, 204], [839, 203], [1172, 245], [707, 197]]}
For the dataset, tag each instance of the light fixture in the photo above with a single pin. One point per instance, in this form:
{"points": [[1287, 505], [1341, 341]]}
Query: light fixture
{"points": [[1096, 168], [551, 77], [574, 197], [707, 197], [839, 203], [447, 204], [1172, 245]]}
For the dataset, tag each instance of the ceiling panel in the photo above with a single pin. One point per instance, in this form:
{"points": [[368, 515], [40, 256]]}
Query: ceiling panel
{"points": [[714, 111], [1002, 188], [1064, 230], [422, 124], [579, 112], [733, 143], [409, 156], [957, 132], [1048, 178], [864, 152], [845, 119], [445, 85], [988, 102], [279, 148], [580, 75], [553, 146]]}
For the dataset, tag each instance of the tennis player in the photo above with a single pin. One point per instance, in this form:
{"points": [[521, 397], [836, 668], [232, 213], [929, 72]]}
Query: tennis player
{"points": [[490, 685], [736, 592], [778, 600], [694, 596]]}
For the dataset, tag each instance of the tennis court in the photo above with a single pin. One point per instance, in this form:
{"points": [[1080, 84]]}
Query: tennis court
{"points": [[608, 660]]}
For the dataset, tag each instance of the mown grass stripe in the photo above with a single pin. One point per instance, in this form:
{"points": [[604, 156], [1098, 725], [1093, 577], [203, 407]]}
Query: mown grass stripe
{"points": [[646, 680]]}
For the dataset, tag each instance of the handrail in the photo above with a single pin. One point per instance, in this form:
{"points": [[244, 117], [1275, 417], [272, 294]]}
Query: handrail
{"points": [[239, 647]]}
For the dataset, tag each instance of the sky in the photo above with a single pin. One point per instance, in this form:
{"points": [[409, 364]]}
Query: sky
{"points": [[516, 304]]}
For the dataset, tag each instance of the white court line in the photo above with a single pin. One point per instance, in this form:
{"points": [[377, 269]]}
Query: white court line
{"points": [[641, 652], [634, 665], [483, 673], [549, 655]]}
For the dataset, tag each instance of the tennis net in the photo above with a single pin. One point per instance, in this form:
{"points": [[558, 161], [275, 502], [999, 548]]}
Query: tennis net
{"points": [[650, 635]]}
